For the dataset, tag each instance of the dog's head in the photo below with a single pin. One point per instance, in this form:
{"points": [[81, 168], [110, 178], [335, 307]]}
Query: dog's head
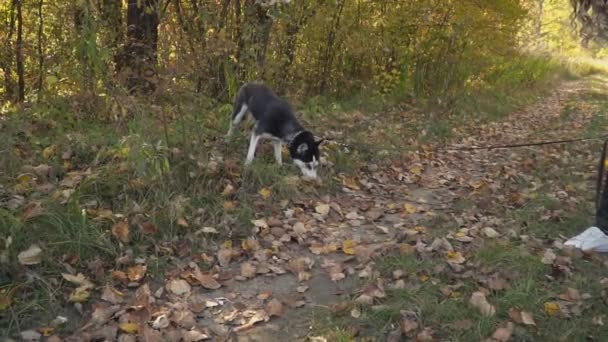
{"points": [[304, 151]]}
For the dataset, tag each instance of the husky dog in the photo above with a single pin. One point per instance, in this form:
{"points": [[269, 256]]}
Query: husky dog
{"points": [[275, 120]]}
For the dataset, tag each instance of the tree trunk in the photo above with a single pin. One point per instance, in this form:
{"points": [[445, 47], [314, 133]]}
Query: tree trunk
{"points": [[7, 55], [19, 52], [139, 58], [40, 48], [328, 56]]}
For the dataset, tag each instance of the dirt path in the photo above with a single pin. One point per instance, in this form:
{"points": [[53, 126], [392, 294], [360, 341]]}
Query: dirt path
{"points": [[317, 253]]}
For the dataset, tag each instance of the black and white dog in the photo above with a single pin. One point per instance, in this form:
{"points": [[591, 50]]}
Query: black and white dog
{"points": [[275, 120]]}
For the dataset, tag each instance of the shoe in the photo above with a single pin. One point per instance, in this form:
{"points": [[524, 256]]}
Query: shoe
{"points": [[592, 239]]}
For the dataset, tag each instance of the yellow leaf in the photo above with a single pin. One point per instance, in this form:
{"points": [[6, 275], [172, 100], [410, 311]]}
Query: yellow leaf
{"points": [[348, 246], [5, 300], [47, 331], [265, 193], [552, 309], [455, 258], [48, 152], [227, 244], [80, 294], [24, 178], [129, 328], [121, 231], [410, 208], [423, 277], [416, 170]]}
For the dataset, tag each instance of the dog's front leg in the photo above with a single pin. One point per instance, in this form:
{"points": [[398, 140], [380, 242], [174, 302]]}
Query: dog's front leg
{"points": [[253, 143], [277, 152]]}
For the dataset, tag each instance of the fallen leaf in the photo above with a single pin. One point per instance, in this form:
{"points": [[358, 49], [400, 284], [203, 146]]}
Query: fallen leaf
{"points": [[31, 256], [410, 208], [194, 336], [80, 294], [129, 328], [521, 317], [348, 247], [548, 257], [248, 270], [161, 322], [121, 231], [30, 335], [479, 301], [178, 287], [274, 308], [137, 272], [148, 228], [503, 334], [229, 205], [183, 223], [355, 312], [408, 325], [322, 209], [207, 281], [455, 258], [5, 300], [490, 232], [31, 211], [224, 255], [552, 308], [265, 193], [112, 295], [228, 190]]}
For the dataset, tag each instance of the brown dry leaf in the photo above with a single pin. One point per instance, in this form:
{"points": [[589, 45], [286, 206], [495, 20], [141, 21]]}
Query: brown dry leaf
{"points": [[31, 211], [351, 183], [112, 295], [348, 247], [274, 308], [229, 205], [207, 281], [455, 258], [148, 228], [121, 231], [248, 270], [408, 325], [265, 193], [194, 336], [548, 257], [503, 334], [228, 190], [137, 272], [322, 209], [571, 295], [257, 316], [521, 317], [224, 255], [479, 301], [179, 287], [120, 276], [183, 223], [31, 256]]}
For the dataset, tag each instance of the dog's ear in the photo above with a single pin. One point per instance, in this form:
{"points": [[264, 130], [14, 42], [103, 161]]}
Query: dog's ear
{"points": [[318, 142], [302, 148]]}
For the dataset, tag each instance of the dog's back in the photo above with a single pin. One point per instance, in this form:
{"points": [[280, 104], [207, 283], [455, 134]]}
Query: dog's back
{"points": [[261, 101]]}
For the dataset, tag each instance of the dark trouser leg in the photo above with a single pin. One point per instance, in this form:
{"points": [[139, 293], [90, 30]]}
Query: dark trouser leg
{"points": [[601, 216]]}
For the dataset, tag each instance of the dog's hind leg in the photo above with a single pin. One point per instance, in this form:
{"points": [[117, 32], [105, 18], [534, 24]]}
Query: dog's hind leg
{"points": [[240, 109], [277, 152], [253, 143]]}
